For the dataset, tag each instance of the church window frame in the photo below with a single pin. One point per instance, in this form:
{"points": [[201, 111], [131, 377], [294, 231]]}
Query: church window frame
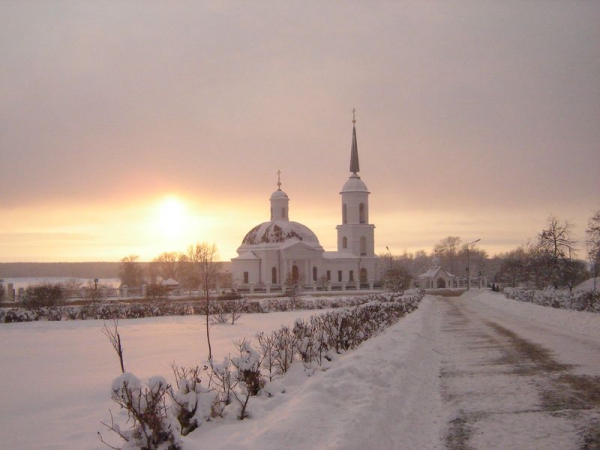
{"points": [[351, 275], [340, 276], [315, 273], [329, 275], [274, 275], [344, 214], [344, 242], [362, 213], [246, 277], [363, 246]]}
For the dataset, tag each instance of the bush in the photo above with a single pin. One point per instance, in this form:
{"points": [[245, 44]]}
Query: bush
{"points": [[152, 426], [574, 300], [42, 295]]}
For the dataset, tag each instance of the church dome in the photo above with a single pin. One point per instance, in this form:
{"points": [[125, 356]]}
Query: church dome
{"points": [[278, 232], [355, 184], [278, 194]]}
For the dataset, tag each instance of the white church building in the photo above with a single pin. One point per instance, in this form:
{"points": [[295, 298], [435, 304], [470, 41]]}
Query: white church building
{"points": [[282, 250]]}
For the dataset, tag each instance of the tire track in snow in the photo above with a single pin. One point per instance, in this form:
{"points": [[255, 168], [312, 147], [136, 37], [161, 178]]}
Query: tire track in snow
{"points": [[508, 392]]}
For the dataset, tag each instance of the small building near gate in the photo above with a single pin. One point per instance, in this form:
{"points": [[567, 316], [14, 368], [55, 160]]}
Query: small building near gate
{"points": [[436, 277]]}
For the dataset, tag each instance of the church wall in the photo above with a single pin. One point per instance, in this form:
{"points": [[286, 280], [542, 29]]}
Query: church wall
{"points": [[239, 266], [352, 200]]}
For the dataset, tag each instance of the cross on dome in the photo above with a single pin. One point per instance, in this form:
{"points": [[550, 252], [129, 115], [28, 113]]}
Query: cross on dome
{"points": [[278, 180]]}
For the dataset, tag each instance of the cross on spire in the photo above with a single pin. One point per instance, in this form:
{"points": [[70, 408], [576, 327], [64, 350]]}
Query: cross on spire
{"points": [[278, 180]]}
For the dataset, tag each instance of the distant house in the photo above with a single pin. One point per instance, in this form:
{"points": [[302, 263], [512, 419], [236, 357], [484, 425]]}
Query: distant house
{"points": [[170, 283], [436, 277]]}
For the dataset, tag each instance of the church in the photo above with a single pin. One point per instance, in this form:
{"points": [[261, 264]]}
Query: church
{"points": [[281, 250]]}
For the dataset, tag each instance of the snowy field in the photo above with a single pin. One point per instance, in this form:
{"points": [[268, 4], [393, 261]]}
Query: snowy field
{"points": [[57, 377]]}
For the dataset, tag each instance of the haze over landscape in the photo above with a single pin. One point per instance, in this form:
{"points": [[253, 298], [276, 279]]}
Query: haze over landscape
{"points": [[144, 127]]}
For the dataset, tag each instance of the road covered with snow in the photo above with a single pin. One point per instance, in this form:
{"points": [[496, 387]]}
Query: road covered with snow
{"points": [[472, 372]]}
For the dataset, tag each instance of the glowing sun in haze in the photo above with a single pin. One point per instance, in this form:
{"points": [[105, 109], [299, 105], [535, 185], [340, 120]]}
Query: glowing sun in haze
{"points": [[172, 216]]}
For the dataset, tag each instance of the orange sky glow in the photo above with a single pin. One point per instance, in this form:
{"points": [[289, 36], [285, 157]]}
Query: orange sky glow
{"points": [[145, 127]]}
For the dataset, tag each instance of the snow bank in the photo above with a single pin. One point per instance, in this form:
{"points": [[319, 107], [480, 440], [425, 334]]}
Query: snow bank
{"points": [[579, 322], [385, 394]]}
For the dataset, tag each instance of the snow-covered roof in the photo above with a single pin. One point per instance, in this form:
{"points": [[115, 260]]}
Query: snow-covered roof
{"points": [[355, 184], [247, 255], [278, 194], [170, 282], [277, 232], [431, 272]]}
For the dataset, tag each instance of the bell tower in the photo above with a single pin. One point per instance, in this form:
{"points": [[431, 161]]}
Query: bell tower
{"points": [[355, 235]]}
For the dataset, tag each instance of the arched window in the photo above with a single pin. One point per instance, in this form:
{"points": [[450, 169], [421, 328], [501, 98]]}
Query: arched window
{"points": [[344, 242], [314, 274], [363, 275], [344, 214], [274, 275], [362, 213], [363, 246]]}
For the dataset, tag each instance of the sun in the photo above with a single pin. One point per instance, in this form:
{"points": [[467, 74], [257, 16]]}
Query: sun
{"points": [[172, 216]]}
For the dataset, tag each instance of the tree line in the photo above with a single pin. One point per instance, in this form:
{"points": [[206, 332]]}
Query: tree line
{"points": [[550, 260], [190, 269]]}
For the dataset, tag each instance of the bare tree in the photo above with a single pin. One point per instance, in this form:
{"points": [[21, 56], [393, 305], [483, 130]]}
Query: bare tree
{"points": [[447, 250], [189, 268], [130, 272], [554, 251], [167, 265], [593, 245], [205, 256], [115, 339], [556, 239]]}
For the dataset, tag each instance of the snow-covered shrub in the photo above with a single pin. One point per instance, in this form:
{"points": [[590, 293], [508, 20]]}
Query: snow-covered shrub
{"points": [[152, 425], [562, 299], [219, 313], [336, 331], [18, 315], [284, 346], [223, 381], [192, 401], [247, 374]]}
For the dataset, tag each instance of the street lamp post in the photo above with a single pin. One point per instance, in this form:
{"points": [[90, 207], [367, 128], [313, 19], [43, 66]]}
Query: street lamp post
{"points": [[468, 268]]}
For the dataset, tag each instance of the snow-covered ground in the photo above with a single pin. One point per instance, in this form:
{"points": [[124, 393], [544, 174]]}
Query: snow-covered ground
{"points": [[384, 395]]}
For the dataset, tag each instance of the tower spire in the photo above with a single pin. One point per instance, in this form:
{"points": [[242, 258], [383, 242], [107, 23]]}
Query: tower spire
{"points": [[354, 167], [279, 180]]}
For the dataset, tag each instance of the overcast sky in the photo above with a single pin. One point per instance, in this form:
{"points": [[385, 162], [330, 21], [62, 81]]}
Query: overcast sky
{"points": [[474, 119]]}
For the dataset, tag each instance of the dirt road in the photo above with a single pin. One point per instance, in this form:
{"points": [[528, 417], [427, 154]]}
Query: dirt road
{"points": [[511, 383]]}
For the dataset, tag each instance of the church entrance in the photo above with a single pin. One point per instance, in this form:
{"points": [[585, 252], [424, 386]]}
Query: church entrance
{"points": [[441, 283], [363, 275], [295, 274]]}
